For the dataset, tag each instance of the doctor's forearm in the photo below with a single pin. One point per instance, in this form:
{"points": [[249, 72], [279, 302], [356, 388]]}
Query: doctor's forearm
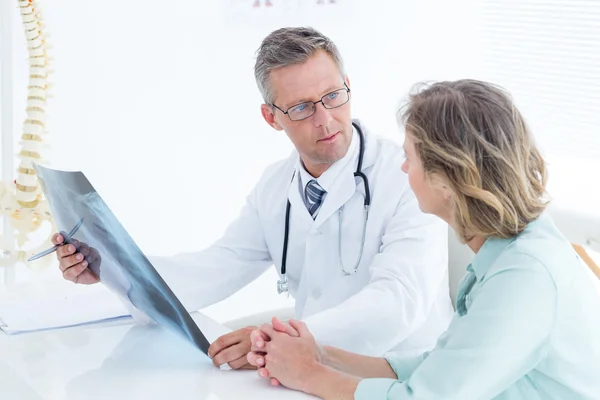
{"points": [[356, 364], [374, 329]]}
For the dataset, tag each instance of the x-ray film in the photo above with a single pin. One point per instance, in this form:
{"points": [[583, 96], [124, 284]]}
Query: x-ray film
{"points": [[86, 221]]}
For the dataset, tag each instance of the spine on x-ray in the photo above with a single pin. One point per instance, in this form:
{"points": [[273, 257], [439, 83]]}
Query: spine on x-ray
{"points": [[32, 142]]}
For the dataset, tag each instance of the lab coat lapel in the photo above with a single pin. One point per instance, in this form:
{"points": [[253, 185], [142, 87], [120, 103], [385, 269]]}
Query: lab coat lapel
{"points": [[346, 185], [342, 190], [370, 149], [298, 211]]}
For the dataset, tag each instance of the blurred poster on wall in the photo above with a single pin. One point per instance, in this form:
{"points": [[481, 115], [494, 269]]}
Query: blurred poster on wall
{"points": [[276, 13]]}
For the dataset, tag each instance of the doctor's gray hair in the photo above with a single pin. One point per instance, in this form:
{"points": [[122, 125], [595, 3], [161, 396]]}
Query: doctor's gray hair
{"points": [[470, 135], [290, 46]]}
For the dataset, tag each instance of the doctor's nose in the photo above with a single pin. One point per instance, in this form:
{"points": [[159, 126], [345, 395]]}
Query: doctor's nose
{"points": [[322, 115]]}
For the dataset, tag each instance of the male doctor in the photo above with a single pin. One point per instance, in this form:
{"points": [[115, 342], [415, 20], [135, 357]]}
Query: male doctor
{"points": [[350, 286]]}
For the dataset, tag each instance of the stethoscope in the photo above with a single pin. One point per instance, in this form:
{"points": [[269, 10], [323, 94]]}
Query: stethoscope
{"points": [[282, 283]]}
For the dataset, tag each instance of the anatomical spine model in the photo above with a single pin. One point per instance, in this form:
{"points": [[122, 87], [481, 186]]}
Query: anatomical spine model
{"points": [[21, 200]]}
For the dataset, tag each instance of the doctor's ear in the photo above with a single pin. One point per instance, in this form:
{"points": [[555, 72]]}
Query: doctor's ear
{"points": [[267, 112]]}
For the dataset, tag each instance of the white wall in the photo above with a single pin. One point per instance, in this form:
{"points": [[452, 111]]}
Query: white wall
{"points": [[545, 52], [156, 100]]}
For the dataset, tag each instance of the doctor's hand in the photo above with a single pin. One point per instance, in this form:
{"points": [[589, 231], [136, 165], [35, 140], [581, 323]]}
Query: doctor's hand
{"points": [[71, 263], [232, 349], [292, 361]]}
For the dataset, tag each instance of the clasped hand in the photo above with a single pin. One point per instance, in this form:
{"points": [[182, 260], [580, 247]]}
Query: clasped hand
{"points": [[286, 354]]}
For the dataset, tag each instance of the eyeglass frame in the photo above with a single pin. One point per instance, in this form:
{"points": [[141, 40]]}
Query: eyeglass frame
{"points": [[314, 103]]}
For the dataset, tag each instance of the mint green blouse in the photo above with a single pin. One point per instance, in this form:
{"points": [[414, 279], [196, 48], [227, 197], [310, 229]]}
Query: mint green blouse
{"points": [[527, 326]]}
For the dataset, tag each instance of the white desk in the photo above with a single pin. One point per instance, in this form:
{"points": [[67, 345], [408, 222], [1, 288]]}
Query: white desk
{"points": [[119, 360]]}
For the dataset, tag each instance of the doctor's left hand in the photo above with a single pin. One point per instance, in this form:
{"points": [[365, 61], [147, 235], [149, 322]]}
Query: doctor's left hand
{"points": [[232, 349]]}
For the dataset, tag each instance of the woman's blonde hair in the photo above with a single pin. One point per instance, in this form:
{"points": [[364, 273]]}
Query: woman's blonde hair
{"points": [[470, 135]]}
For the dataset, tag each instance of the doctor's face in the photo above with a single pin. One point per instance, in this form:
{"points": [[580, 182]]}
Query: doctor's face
{"points": [[433, 196], [324, 137]]}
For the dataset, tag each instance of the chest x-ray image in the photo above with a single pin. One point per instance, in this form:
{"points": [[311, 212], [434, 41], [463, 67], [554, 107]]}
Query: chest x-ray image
{"points": [[114, 257]]}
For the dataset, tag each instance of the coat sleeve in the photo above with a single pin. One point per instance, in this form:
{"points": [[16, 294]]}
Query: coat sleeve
{"points": [[405, 281], [200, 279]]}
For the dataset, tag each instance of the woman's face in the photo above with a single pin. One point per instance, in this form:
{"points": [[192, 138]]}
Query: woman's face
{"points": [[433, 196]]}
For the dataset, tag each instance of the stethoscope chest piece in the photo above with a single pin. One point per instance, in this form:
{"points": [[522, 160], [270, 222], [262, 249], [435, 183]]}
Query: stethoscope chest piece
{"points": [[283, 286]]}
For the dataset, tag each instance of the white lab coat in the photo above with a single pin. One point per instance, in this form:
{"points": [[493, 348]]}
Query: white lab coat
{"points": [[399, 298]]}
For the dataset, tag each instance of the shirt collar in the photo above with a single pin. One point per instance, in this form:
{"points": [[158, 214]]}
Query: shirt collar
{"points": [[493, 247], [328, 177], [487, 254]]}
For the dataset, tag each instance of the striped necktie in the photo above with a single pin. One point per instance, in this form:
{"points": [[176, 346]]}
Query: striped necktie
{"points": [[314, 197]]}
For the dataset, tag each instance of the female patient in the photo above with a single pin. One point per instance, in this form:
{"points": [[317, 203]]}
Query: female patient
{"points": [[527, 323]]}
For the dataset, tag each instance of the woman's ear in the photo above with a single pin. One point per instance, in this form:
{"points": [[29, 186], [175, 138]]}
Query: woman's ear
{"points": [[447, 193], [443, 189]]}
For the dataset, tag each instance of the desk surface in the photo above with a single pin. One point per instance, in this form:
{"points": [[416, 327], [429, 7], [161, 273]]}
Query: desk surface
{"points": [[120, 360]]}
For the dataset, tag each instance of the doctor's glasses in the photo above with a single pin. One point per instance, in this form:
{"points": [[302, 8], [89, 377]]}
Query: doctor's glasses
{"points": [[304, 110]]}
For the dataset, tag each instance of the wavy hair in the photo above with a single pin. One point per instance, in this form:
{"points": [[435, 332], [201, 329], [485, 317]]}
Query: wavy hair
{"points": [[470, 135]]}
